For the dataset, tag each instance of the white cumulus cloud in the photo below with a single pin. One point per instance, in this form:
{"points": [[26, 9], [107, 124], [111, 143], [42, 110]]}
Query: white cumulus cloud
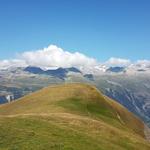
{"points": [[4, 64], [53, 56], [143, 63], [117, 62]]}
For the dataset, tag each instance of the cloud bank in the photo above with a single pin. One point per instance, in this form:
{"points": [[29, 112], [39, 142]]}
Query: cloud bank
{"points": [[4, 64], [118, 62], [143, 63], [54, 57]]}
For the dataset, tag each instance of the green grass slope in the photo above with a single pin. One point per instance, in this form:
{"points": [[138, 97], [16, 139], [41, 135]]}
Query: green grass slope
{"points": [[69, 117]]}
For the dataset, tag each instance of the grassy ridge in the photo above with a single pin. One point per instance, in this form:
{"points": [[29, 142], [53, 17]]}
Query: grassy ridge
{"points": [[69, 117]]}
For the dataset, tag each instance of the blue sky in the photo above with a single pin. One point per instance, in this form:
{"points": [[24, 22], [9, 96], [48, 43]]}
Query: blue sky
{"points": [[97, 28]]}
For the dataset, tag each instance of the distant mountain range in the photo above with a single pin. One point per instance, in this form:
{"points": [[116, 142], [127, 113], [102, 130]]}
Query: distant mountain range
{"points": [[129, 86], [116, 69], [59, 72]]}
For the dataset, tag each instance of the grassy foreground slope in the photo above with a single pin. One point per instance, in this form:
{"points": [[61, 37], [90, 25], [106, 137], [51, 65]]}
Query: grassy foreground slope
{"points": [[69, 117]]}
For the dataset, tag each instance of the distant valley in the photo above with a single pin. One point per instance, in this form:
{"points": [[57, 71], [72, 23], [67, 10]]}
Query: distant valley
{"points": [[131, 89]]}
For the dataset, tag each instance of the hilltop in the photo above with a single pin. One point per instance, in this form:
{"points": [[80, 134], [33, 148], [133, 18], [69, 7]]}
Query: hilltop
{"points": [[69, 117]]}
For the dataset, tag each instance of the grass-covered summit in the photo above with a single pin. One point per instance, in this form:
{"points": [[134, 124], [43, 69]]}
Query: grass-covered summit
{"points": [[69, 117]]}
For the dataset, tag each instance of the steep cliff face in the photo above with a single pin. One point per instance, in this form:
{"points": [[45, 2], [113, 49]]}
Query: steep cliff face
{"points": [[6, 98], [133, 92]]}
